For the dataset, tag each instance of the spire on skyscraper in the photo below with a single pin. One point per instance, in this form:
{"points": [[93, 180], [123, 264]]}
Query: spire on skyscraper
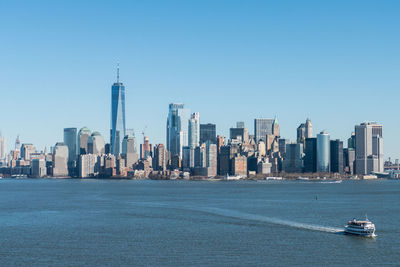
{"points": [[118, 72]]}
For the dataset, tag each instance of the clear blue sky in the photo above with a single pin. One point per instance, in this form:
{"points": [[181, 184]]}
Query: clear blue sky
{"points": [[337, 62]]}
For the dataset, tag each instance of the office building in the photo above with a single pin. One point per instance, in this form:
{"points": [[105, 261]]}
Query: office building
{"points": [[83, 139], [160, 160], [282, 146], [240, 134], [208, 132], [71, 141], [240, 124], [337, 162], [369, 148], [129, 150], [239, 166], [323, 152], [60, 160], [118, 129], [26, 151], [145, 149], [308, 129], [194, 130], [262, 128], [177, 129], [293, 161], [276, 129], [310, 155], [3, 148], [96, 144], [38, 168]]}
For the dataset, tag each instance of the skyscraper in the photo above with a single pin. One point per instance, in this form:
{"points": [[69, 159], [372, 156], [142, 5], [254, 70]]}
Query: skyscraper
{"points": [[308, 129], [310, 157], [129, 150], [60, 160], [70, 140], [262, 128], [369, 148], [337, 162], [3, 147], [177, 129], [96, 144], [118, 130], [194, 130], [208, 133], [323, 152], [83, 139], [276, 129]]}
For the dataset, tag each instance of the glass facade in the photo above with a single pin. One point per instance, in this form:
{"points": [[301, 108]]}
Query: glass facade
{"points": [[118, 130], [177, 129], [323, 152], [262, 128]]}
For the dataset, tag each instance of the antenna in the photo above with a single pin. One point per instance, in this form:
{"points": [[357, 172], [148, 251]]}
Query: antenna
{"points": [[118, 72]]}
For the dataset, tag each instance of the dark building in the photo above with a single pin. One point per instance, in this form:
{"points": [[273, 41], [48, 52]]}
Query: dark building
{"points": [[224, 160], [208, 132], [337, 156], [349, 156], [239, 133], [310, 157]]}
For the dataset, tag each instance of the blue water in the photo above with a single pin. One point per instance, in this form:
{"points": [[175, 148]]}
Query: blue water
{"points": [[184, 223]]}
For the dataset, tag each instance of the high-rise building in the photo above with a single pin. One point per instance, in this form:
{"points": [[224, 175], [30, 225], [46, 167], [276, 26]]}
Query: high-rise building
{"points": [[26, 151], [83, 139], [323, 152], [60, 160], [276, 129], [239, 166], [349, 156], [17, 143], [337, 162], [3, 148], [310, 155], [282, 146], [240, 134], [71, 139], [208, 132], [240, 124], [293, 161], [145, 148], [118, 129], [262, 128], [369, 148], [96, 144], [160, 159], [194, 130], [301, 133], [38, 167], [308, 129], [129, 150], [177, 129], [351, 142], [211, 162]]}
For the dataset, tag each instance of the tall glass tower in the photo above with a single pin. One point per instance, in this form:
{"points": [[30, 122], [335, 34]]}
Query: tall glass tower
{"points": [[118, 130], [177, 128]]}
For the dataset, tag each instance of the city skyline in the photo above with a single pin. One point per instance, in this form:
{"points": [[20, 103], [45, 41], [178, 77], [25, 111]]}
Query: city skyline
{"points": [[328, 76]]}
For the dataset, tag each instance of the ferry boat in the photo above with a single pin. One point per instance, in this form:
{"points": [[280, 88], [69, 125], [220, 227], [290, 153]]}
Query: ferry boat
{"points": [[361, 228]]}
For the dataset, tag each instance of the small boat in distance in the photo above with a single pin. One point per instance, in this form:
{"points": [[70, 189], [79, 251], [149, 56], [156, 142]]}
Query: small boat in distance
{"points": [[303, 178], [361, 228]]}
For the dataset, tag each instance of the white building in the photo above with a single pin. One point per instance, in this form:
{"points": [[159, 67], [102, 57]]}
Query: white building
{"points": [[369, 148], [60, 160]]}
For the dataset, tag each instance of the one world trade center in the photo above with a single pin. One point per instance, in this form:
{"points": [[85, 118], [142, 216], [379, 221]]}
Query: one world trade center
{"points": [[117, 132]]}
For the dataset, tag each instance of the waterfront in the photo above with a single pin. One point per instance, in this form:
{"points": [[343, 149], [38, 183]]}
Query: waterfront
{"points": [[127, 222]]}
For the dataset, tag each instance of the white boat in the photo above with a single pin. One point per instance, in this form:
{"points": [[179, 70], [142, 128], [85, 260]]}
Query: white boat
{"points": [[273, 178], [303, 178], [361, 228], [232, 178]]}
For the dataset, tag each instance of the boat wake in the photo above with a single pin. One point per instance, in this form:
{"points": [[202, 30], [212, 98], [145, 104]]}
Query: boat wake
{"points": [[247, 216]]}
